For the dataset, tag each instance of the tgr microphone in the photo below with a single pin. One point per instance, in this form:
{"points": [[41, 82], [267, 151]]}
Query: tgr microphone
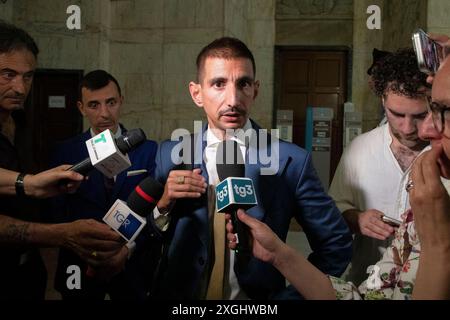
{"points": [[234, 191], [107, 154], [145, 196], [126, 218]]}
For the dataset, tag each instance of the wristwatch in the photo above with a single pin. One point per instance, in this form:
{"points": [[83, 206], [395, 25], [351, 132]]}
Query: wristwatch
{"points": [[20, 190]]}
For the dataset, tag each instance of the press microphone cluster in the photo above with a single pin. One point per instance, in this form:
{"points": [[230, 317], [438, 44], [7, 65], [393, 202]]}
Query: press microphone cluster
{"points": [[109, 155], [234, 191], [127, 218]]}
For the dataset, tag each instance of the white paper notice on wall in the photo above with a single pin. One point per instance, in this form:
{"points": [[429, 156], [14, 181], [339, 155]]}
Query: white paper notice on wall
{"points": [[57, 102], [352, 133]]}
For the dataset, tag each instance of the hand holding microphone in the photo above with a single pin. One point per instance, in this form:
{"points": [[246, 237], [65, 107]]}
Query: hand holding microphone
{"points": [[44, 184], [266, 245], [234, 191], [107, 154], [126, 218]]}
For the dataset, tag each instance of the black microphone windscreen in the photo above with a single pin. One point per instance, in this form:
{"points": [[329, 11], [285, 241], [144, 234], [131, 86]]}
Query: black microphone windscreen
{"points": [[229, 160], [145, 196], [131, 139]]}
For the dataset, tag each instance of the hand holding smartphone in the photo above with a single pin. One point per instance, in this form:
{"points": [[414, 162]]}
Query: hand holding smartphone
{"points": [[428, 52], [391, 221]]}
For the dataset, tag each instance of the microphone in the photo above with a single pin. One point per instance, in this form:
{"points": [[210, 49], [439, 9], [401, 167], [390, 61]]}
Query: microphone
{"points": [[126, 218], [145, 196], [234, 191], [107, 154]]}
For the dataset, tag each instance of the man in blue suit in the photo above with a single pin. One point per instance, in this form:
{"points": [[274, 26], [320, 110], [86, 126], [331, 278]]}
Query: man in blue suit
{"points": [[100, 102], [226, 89]]}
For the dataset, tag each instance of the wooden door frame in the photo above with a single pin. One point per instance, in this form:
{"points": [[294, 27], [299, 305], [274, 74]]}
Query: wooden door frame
{"points": [[38, 71], [277, 71], [32, 112], [277, 77]]}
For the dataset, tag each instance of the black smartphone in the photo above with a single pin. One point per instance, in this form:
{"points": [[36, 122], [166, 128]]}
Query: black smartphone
{"points": [[428, 52]]}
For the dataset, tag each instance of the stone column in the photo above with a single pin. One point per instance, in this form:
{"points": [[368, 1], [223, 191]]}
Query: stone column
{"points": [[253, 21], [400, 19], [364, 40], [6, 11]]}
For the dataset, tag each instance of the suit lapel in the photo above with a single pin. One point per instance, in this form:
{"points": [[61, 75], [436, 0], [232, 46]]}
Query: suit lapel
{"points": [[202, 212], [252, 171], [197, 209], [263, 184], [120, 180], [93, 189]]}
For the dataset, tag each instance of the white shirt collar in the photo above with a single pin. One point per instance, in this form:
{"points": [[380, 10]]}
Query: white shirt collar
{"points": [[211, 138], [116, 135]]}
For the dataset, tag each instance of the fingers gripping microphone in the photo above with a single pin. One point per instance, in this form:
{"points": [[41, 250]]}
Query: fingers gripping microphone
{"points": [[107, 154], [234, 191]]}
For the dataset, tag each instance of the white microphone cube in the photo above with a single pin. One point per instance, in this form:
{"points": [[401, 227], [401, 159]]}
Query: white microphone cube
{"points": [[105, 156], [124, 220]]}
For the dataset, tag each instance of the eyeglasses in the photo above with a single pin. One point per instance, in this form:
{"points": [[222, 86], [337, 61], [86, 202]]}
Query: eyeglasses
{"points": [[439, 112]]}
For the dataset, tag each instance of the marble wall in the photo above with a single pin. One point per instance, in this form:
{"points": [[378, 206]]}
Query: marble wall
{"points": [[151, 45], [438, 16], [6, 11], [314, 23]]}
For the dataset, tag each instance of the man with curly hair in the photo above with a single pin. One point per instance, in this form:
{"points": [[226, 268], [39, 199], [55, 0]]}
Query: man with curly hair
{"points": [[370, 180]]}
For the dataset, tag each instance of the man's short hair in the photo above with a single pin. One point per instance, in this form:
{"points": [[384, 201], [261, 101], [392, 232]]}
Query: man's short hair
{"points": [[13, 38], [95, 80], [224, 48], [399, 73]]}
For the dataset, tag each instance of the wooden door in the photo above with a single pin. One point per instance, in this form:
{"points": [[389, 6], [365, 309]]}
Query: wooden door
{"points": [[313, 78], [52, 111]]}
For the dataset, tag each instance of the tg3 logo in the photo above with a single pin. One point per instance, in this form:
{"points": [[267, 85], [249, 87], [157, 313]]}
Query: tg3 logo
{"points": [[241, 191]]}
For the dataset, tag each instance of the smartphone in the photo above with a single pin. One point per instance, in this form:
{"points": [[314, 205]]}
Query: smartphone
{"points": [[391, 221], [428, 52]]}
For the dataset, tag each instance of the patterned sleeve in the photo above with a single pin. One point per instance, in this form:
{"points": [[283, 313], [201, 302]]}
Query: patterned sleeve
{"points": [[344, 290], [378, 286], [394, 275]]}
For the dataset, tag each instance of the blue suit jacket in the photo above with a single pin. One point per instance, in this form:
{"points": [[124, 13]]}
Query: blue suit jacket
{"points": [[294, 191], [90, 200]]}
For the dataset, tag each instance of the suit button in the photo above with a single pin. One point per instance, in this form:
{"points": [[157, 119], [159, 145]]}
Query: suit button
{"points": [[201, 261]]}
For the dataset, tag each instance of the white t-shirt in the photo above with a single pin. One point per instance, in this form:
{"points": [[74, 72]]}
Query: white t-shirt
{"points": [[369, 177]]}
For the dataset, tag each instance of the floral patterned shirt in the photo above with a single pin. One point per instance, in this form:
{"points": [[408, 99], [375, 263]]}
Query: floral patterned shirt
{"points": [[392, 277]]}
